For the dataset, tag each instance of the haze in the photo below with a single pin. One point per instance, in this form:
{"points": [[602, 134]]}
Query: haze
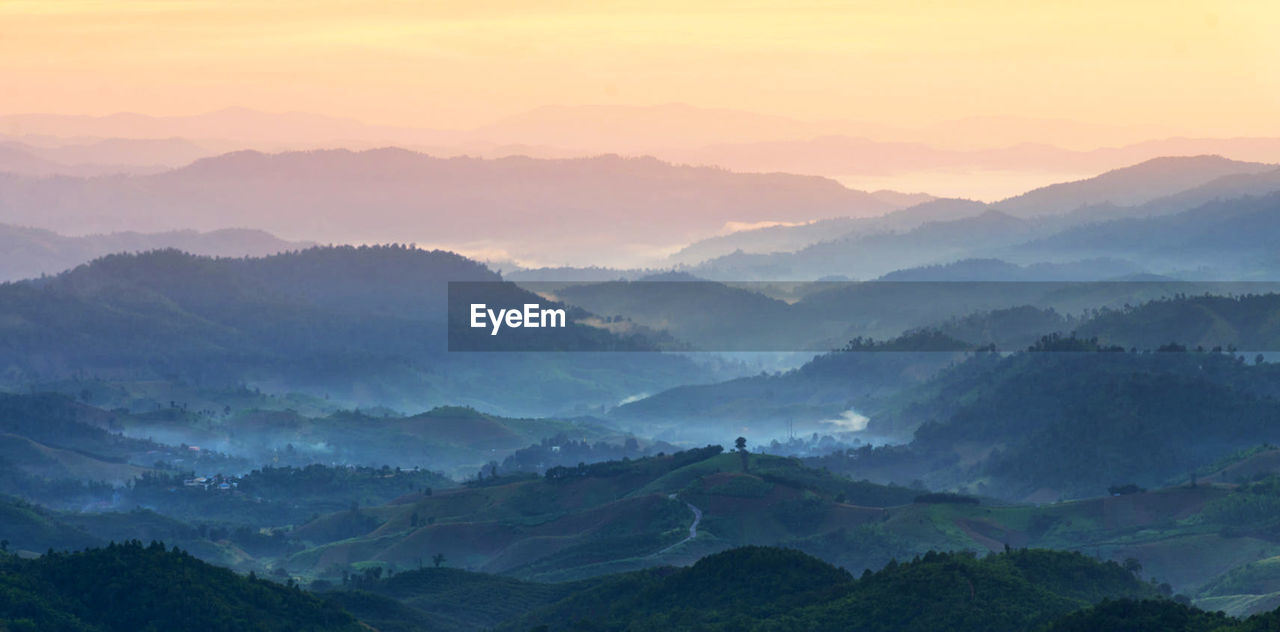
{"points": [[1202, 68]]}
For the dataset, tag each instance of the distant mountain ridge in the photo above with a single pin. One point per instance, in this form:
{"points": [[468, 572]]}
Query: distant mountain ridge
{"points": [[790, 238], [522, 205], [1037, 227], [1129, 186], [733, 139], [30, 252]]}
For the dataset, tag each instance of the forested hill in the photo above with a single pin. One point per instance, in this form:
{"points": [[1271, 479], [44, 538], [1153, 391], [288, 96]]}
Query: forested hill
{"points": [[134, 588], [389, 280], [1078, 421], [330, 320], [763, 588]]}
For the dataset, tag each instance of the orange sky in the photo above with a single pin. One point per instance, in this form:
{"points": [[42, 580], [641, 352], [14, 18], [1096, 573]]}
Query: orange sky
{"points": [[1209, 68]]}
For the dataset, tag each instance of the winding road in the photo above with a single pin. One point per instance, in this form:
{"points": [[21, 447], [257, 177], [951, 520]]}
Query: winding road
{"points": [[693, 528]]}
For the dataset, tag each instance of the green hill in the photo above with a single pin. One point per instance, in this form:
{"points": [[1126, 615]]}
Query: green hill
{"points": [[129, 588], [1127, 615], [601, 518], [760, 588], [366, 326], [462, 600], [1248, 321], [1064, 423]]}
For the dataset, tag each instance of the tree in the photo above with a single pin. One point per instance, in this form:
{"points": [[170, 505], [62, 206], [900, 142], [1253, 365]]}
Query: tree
{"points": [[1132, 565], [740, 444], [437, 559]]}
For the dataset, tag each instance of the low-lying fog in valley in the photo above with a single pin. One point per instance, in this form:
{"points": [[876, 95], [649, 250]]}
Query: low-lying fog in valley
{"points": [[460, 317]]}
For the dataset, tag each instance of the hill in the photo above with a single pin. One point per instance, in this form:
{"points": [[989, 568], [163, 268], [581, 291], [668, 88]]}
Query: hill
{"points": [[515, 204], [1194, 203], [1129, 186], [757, 588], [128, 587], [365, 326], [1127, 615], [1244, 320], [1224, 239], [790, 238], [814, 397], [29, 252], [1072, 421], [449, 598], [949, 317], [975, 270], [870, 256], [453, 439], [595, 519], [62, 452]]}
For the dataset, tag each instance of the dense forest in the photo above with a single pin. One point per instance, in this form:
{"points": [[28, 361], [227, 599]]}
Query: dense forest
{"points": [[131, 587]]}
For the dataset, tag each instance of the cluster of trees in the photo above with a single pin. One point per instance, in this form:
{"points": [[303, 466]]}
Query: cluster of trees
{"points": [[765, 588], [560, 450], [616, 468], [132, 587], [1076, 422], [1250, 507], [1133, 615]]}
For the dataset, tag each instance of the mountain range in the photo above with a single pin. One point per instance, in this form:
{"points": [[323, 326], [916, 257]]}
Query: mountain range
{"points": [[366, 326], [1168, 195], [619, 208], [31, 252]]}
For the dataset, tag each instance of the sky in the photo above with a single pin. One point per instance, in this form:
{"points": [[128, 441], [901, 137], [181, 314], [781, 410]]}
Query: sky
{"points": [[1192, 67]]}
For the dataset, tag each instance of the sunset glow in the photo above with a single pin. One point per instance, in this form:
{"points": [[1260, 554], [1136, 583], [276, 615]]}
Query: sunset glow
{"points": [[1202, 68]]}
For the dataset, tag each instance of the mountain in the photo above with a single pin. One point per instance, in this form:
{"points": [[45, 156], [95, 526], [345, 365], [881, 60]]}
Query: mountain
{"points": [[1108, 217], [520, 205], [119, 155], [15, 158], [1225, 187], [691, 310], [1064, 423], [450, 599], [790, 238], [875, 380], [594, 519], [758, 588], [365, 325], [582, 522], [983, 270], [1163, 615], [1243, 320], [453, 439], [701, 315], [1225, 239], [127, 587], [53, 438], [31, 252], [870, 256], [1128, 186]]}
